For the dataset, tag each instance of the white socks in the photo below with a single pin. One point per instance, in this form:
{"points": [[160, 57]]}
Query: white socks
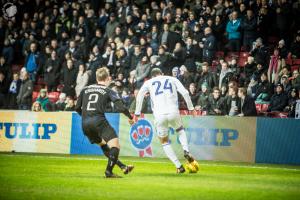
{"points": [[183, 140], [171, 154]]}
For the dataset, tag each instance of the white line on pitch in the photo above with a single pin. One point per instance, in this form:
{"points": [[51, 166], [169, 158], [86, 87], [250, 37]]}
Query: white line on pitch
{"points": [[159, 162]]}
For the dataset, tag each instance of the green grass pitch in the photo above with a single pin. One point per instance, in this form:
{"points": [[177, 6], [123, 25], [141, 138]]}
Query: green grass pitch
{"points": [[43, 176]]}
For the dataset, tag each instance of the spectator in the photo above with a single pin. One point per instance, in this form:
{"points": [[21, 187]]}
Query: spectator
{"points": [[225, 75], [164, 60], [283, 51], [70, 106], [52, 72], [249, 26], [260, 52], [68, 78], [32, 62], [111, 25], [168, 38], [193, 93], [60, 104], [36, 107], [205, 77], [82, 79], [232, 102], [296, 79], [133, 103], [202, 102], [252, 87], [264, 90], [279, 100], [209, 45], [287, 86], [185, 76], [142, 71], [178, 56], [218, 30], [216, 103], [233, 31], [295, 46], [249, 69], [276, 64], [24, 97], [43, 99], [291, 106], [258, 72], [3, 89], [8, 52], [5, 68], [247, 105], [13, 92], [136, 57]]}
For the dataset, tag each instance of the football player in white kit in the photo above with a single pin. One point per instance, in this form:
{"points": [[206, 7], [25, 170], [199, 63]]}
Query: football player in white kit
{"points": [[164, 100]]}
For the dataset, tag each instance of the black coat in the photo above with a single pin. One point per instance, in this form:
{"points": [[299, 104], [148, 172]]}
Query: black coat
{"points": [[69, 80], [210, 46], [215, 104], [250, 28], [278, 102], [52, 72], [264, 87], [248, 107]]}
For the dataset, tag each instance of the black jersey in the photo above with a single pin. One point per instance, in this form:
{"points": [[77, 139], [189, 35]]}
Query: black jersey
{"points": [[94, 100]]}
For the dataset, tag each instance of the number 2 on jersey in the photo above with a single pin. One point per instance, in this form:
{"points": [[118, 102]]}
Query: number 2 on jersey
{"points": [[93, 98], [167, 86]]}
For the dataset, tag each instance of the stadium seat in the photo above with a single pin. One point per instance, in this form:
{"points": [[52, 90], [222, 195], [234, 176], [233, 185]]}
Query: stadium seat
{"points": [[244, 54], [242, 61], [16, 68], [296, 61], [35, 95], [289, 61], [294, 67], [37, 88], [264, 107], [219, 54]]}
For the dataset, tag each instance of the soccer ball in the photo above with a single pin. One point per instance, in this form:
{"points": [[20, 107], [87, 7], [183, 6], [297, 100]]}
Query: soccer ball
{"points": [[191, 167]]}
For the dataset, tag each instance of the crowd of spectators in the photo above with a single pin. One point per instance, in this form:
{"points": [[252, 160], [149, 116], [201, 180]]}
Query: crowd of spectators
{"points": [[60, 45]]}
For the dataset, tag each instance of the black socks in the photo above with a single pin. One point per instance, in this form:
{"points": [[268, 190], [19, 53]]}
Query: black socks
{"points": [[106, 151], [112, 159]]}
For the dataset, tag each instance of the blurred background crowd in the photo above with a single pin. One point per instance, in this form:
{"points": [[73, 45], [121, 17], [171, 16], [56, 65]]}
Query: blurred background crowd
{"points": [[235, 57]]}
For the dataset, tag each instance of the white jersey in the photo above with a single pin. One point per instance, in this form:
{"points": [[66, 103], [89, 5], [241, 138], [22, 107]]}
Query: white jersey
{"points": [[163, 93]]}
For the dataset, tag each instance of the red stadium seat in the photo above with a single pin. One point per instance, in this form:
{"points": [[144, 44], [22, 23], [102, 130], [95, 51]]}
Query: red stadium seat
{"points": [[244, 54], [37, 88], [289, 61], [258, 107], [219, 54], [296, 61], [264, 107], [242, 61], [35, 96], [294, 67]]}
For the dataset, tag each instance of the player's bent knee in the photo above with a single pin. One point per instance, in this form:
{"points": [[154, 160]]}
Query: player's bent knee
{"points": [[114, 143], [164, 140]]}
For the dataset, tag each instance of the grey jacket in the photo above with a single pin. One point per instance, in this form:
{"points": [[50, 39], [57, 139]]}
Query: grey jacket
{"points": [[25, 93]]}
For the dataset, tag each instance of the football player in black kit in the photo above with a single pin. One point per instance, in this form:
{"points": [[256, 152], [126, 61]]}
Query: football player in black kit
{"points": [[92, 103]]}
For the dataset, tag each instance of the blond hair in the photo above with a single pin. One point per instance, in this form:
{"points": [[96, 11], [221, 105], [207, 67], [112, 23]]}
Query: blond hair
{"points": [[102, 74]]}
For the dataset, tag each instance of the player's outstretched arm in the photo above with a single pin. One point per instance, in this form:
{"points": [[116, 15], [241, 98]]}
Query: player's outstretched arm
{"points": [[119, 105]]}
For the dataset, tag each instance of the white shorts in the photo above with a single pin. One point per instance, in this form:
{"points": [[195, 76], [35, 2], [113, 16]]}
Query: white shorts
{"points": [[164, 121]]}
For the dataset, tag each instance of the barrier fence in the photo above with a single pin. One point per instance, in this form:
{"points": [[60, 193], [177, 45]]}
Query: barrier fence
{"points": [[239, 139]]}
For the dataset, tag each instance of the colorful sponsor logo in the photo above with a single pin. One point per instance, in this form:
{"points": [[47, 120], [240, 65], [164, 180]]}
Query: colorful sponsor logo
{"points": [[28, 130], [141, 134]]}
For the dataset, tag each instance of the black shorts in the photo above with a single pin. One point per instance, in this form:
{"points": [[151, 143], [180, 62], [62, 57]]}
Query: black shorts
{"points": [[97, 130]]}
